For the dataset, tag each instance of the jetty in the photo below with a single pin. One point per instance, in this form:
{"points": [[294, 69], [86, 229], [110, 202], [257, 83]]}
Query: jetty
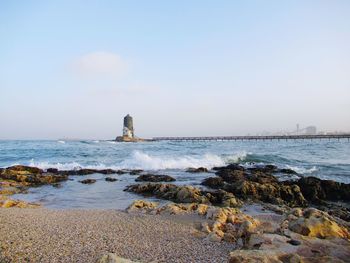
{"points": [[257, 138]]}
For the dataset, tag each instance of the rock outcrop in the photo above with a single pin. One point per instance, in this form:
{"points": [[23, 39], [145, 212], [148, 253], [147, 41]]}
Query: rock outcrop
{"points": [[110, 179], [197, 170], [154, 178], [88, 181], [30, 176], [256, 184], [259, 183], [317, 191], [221, 223], [315, 223], [8, 203], [185, 194]]}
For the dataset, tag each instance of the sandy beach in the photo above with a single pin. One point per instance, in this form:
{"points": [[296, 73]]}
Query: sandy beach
{"points": [[42, 235]]}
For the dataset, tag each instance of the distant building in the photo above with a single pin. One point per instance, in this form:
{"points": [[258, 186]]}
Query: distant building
{"points": [[128, 129], [311, 130]]}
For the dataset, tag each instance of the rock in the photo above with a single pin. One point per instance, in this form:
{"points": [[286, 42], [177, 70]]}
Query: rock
{"points": [[177, 209], [197, 170], [52, 170], [262, 256], [189, 194], [294, 242], [231, 176], [22, 169], [258, 183], [316, 223], [340, 212], [274, 193], [86, 171], [30, 176], [221, 197], [228, 237], [262, 178], [8, 203], [317, 190], [230, 167], [168, 209], [214, 237], [263, 169], [287, 171], [88, 181], [205, 227], [135, 171], [111, 179], [138, 205], [10, 190], [154, 178], [217, 214], [185, 194], [113, 258], [213, 182], [202, 209], [271, 167], [298, 212], [256, 240]]}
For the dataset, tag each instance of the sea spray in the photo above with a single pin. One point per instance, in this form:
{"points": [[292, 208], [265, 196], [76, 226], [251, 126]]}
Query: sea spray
{"points": [[146, 161]]}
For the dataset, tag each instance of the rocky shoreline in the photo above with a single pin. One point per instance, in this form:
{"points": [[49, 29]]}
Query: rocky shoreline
{"points": [[249, 210]]}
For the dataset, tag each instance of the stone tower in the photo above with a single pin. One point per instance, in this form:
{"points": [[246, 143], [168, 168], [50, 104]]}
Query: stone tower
{"points": [[128, 129]]}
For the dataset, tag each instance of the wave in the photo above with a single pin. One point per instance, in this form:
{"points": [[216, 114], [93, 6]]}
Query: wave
{"points": [[60, 141], [302, 170], [141, 160]]}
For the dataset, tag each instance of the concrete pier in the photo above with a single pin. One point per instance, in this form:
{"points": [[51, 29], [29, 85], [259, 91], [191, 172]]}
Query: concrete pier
{"points": [[255, 138]]}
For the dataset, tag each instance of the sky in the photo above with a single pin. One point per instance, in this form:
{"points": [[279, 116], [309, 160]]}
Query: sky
{"points": [[74, 69]]}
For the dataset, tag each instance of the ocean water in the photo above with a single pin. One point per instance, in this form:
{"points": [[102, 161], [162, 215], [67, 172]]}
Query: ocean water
{"points": [[321, 158]]}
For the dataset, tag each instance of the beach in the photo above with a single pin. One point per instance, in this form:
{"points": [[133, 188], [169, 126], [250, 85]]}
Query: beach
{"points": [[42, 235]]}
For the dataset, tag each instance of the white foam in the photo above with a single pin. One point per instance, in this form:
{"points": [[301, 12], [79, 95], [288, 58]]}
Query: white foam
{"points": [[141, 160], [302, 170], [60, 166], [61, 141]]}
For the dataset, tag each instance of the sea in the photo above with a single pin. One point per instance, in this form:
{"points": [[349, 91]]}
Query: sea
{"points": [[325, 159]]}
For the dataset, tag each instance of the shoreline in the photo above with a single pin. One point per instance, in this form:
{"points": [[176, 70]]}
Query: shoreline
{"points": [[239, 214]]}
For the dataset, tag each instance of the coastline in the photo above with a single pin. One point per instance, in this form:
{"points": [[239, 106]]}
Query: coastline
{"points": [[240, 214]]}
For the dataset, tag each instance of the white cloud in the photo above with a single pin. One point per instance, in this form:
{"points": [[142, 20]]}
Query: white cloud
{"points": [[101, 63]]}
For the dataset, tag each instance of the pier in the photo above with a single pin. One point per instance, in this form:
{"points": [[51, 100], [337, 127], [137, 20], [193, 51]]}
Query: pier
{"points": [[256, 138]]}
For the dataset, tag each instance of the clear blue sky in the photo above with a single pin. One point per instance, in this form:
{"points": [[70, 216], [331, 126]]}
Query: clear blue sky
{"points": [[75, 68]]}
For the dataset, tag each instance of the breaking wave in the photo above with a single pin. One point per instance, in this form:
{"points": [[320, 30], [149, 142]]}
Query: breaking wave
{"points": [[148, 162], [302, 170], [141, 160]]}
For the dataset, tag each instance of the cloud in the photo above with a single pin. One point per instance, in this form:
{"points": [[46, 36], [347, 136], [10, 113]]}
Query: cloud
{"points": [[100, 63]]}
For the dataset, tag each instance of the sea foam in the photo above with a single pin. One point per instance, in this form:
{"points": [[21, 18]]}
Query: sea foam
{"points": [[302, 170], [145, 161]]}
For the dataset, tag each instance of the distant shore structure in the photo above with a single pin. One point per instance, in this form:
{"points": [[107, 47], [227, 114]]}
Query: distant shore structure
{"points": [[128, 131]]}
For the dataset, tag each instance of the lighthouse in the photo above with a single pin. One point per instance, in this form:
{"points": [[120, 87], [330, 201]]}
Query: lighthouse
{"points": [[128, 128], [128, 131]]}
